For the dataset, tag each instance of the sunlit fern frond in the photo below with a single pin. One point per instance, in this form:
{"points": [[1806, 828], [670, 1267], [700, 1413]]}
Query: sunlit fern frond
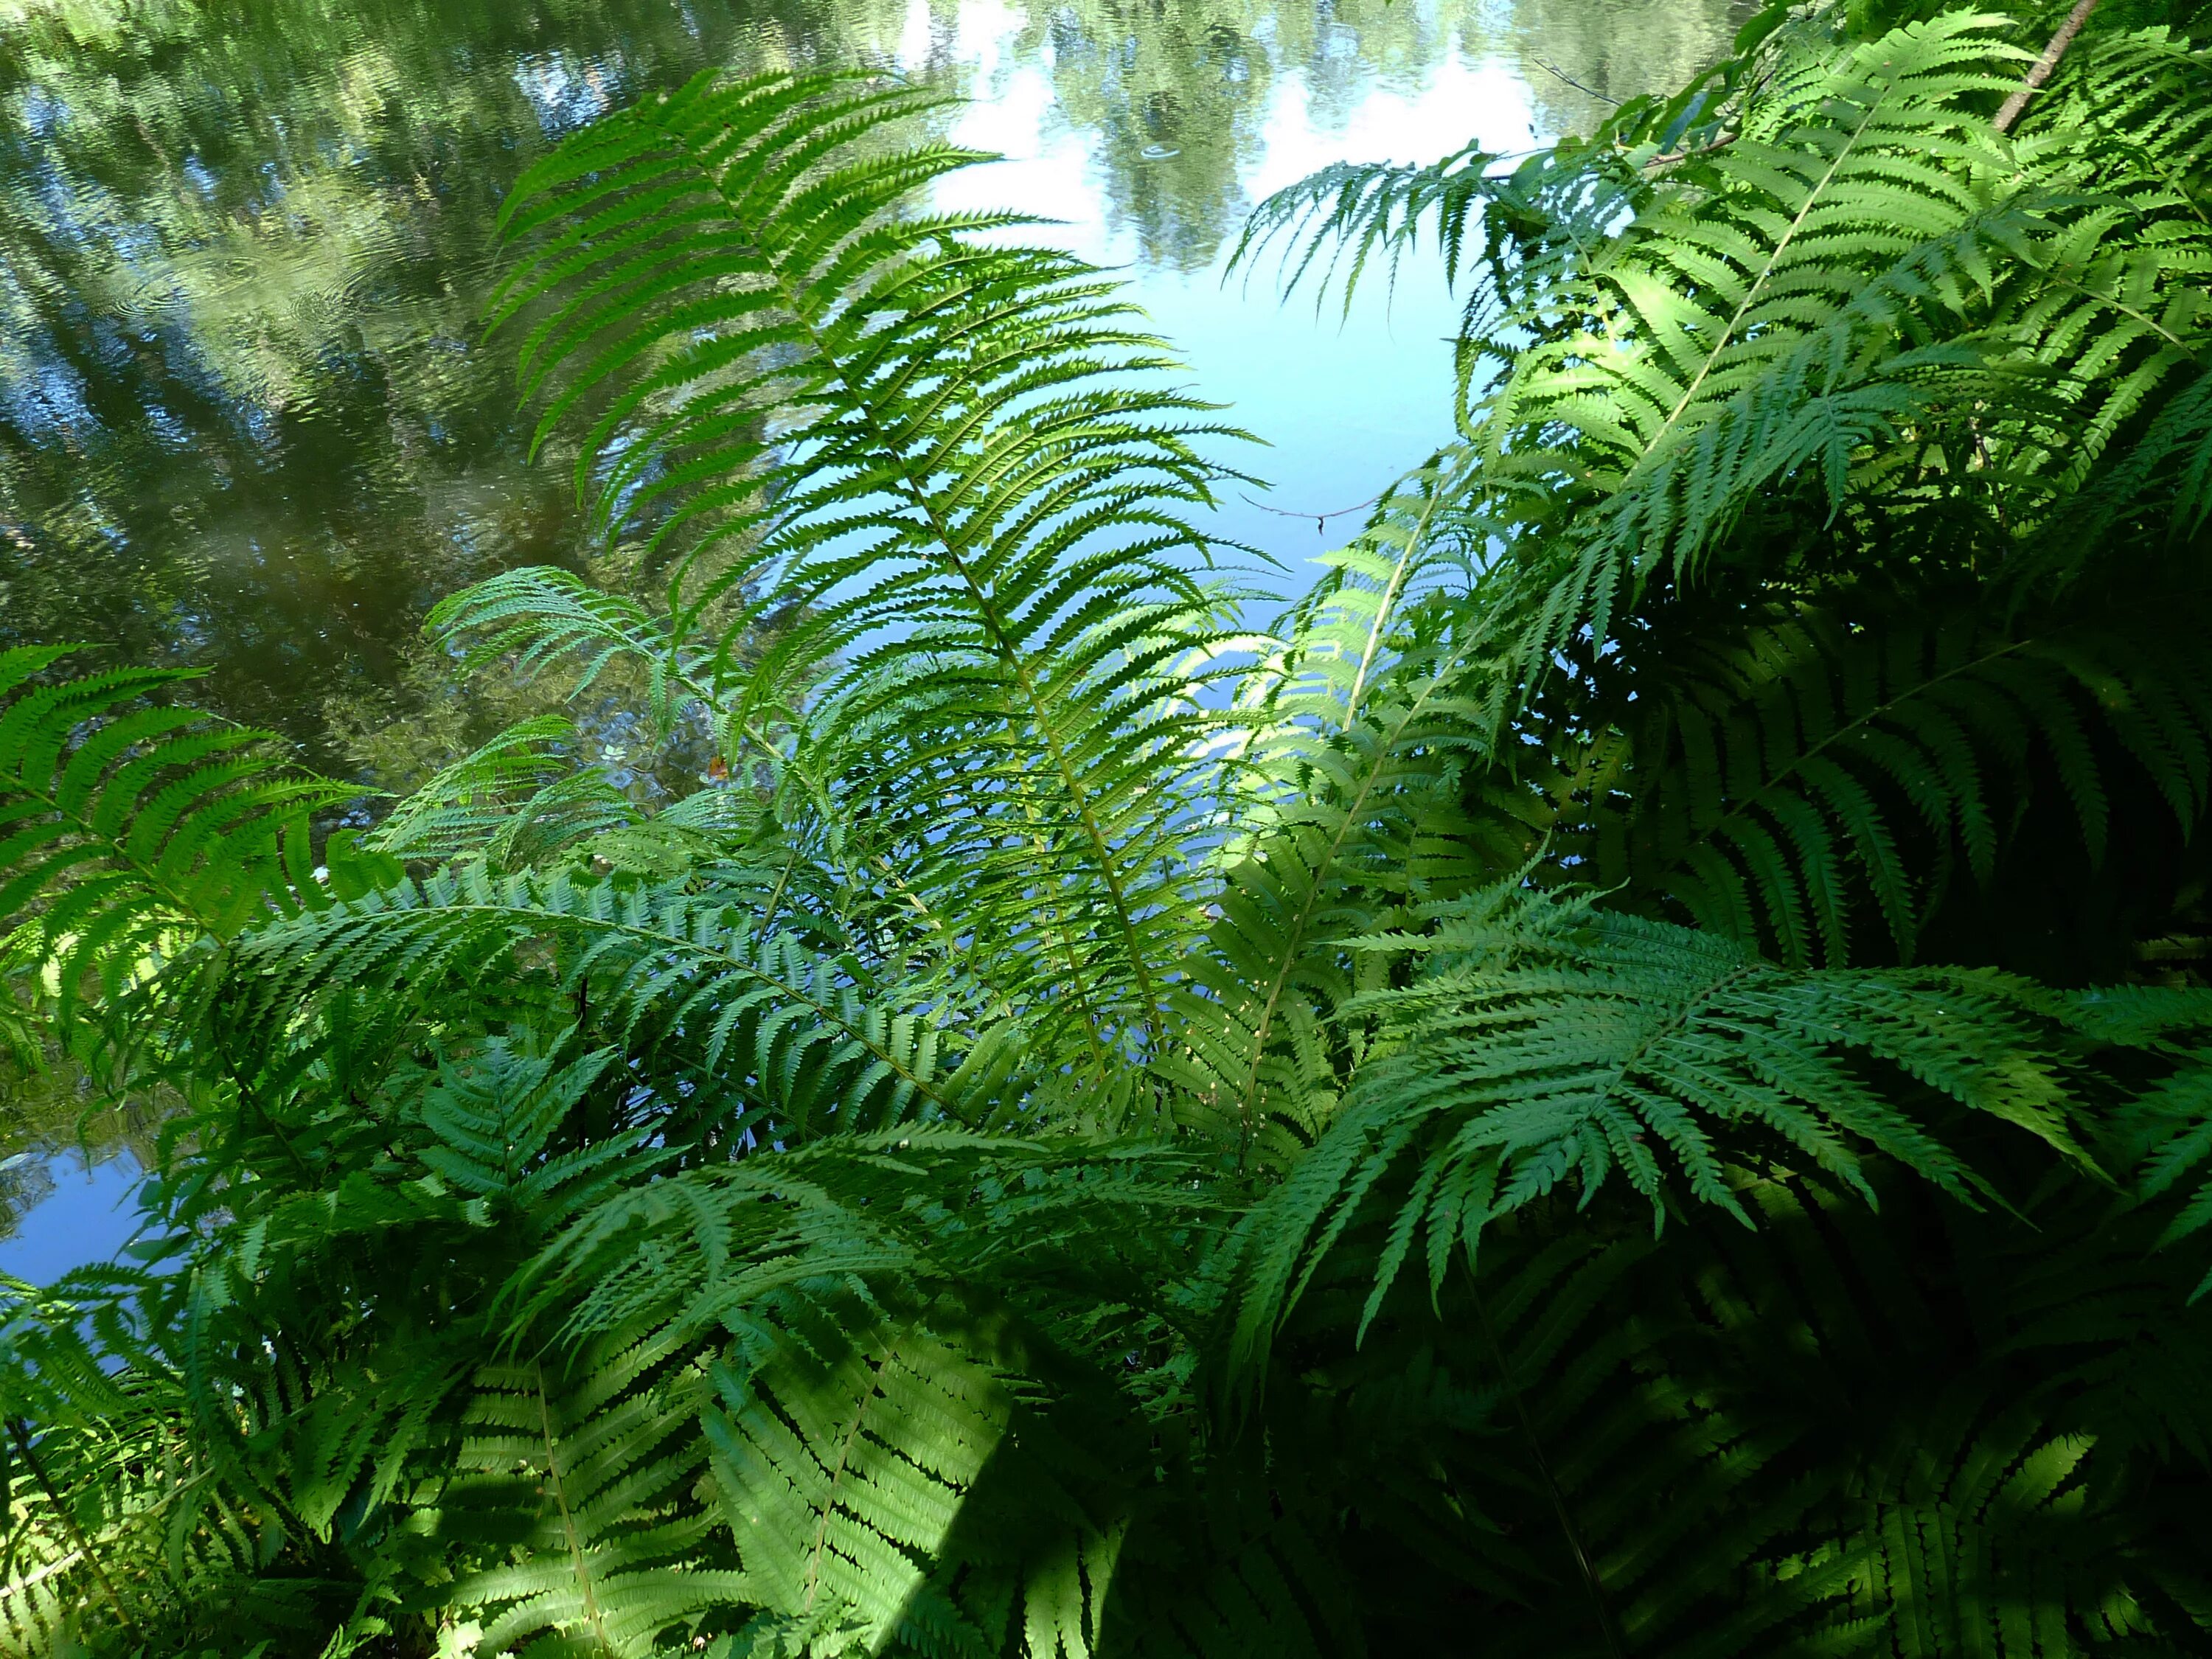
{"points": [[2121, 300], [1516, 238], [1769, 310], [763, 1017], [939, 1349], [582, 1476], [1530, 223], [1536, 225], [2124, 291], [841, 1462], [1356, 728], [91, 1542], [109, 1526], [68, 1495], [130, 830], [951, 464], [1821, 303], [1545, 1047]]}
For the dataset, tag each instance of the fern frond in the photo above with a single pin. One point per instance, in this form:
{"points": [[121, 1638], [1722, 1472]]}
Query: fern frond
{"points": [[948, 462], [1357, 730], [1768, 278], [923, 1331], [914, 1213], [1774, 783], [586, 1479], [1534, 220], [841, 1465], [1542, 226], [513, 801], [2172, 1126], [1549, 1048], [540, 617], [128, 831], [762, 1017]]}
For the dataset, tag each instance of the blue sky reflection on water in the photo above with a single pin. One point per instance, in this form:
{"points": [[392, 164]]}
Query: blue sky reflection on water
{"points": [[86, 1217], [1343, 404], [248, 421]]}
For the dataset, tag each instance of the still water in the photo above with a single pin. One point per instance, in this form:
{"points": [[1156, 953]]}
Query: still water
{"points": [[249, 424]]}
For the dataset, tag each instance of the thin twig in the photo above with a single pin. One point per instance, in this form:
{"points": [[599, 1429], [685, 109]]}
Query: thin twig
{"points": [[1673, 156], [2045, 64], [1321, 519], [1554, 69]]}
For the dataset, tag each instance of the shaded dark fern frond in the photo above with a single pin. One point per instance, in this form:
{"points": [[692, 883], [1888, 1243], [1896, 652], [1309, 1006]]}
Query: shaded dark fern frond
{"points": [[1778, 783]]}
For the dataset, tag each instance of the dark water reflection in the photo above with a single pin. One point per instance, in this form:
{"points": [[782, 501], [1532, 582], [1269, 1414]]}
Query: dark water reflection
{"points": [[247, 420]]}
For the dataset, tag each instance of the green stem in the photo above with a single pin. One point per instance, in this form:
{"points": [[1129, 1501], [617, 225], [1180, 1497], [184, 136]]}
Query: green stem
{"points": [[570, 1530], [1601, 1606], [17, 1428]]}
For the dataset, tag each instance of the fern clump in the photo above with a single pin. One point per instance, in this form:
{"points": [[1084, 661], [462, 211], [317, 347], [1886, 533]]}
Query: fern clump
{"points": [[1627, 1076]]}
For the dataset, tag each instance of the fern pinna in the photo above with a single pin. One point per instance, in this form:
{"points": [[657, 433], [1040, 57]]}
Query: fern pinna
{"points": [[1631, 1075]]}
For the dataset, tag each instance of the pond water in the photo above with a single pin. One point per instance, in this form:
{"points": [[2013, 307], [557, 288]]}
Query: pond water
{"points": [[248, 421]]}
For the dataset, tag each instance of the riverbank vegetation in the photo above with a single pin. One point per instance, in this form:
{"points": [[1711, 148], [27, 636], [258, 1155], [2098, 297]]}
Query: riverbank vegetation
{"points": [[1631, 1075]]}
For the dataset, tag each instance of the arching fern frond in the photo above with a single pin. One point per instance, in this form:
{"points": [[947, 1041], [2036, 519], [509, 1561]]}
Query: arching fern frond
{"points": [[130, 829], [951, 463], [1358, 730], [512, 801], [1536, 224], [1780, 271], [842, 1462], [1517, 240], [584, 1475], [902, 1320], [762, 1016], [917, 1214], [540, 617], [2171, 1127], [1547, 1047]]}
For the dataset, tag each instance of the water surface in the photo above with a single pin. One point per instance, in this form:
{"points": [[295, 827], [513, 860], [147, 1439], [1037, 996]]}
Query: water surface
{"points": [[249, 423]]}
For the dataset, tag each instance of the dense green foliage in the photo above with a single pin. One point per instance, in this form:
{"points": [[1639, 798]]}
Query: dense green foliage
{"points": [[1629, 1076]]}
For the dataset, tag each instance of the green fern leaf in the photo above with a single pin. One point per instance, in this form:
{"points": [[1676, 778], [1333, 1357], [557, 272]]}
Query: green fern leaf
{"points": [[128, 832]]}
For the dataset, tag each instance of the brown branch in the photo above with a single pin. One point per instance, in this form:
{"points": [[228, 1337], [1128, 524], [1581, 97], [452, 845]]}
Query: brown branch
{"points": [[2012, 105], [2045, 64], [1673, 156]]}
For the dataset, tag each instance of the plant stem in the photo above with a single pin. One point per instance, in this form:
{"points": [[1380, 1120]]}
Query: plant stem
{"points": [[2045, 64], [22, 1438], [1599, 1606]]}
